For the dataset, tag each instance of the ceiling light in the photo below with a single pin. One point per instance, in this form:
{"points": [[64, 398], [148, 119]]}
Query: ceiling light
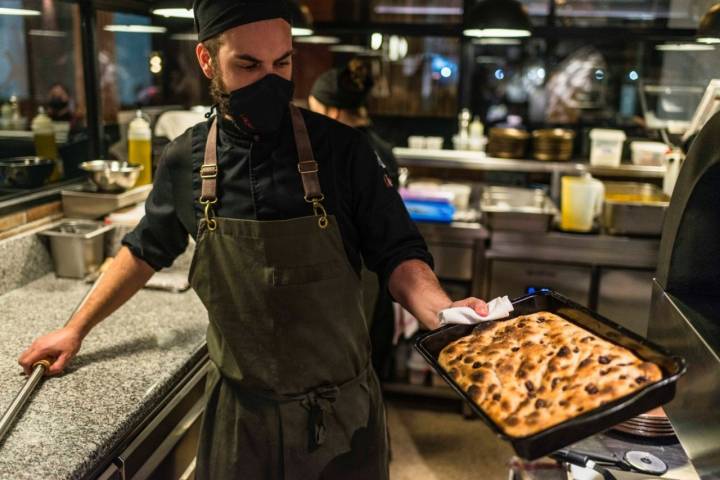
{"points": [[376, 41], [355, 50], [135, 29], [300, 19], [709, 28], [318, 40], [47, 33], [496, 33], [186, 37], [684, 47], [497, 19], [18, 11], [419, 10], [497, 41], [176, 12]]}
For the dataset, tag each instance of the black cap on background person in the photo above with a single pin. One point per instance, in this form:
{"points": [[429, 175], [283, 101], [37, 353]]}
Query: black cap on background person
{"points": [[213, 17], [344, 88]]}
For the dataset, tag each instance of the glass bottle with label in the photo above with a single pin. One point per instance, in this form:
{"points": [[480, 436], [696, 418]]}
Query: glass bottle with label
{"points": [[140, 148]]}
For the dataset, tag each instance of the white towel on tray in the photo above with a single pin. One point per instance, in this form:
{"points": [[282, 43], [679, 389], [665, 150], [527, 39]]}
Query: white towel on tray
{"points": [[498, 308]]}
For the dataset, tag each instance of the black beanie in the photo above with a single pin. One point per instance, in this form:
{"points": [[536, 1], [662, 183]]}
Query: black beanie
{"points": [[213, 17]]}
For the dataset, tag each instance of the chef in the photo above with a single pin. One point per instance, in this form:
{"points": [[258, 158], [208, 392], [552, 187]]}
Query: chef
{"points": [[282, 203]]}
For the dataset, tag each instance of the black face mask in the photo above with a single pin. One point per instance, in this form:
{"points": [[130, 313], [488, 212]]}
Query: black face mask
{"points": [[261, 106], [57, 104]]}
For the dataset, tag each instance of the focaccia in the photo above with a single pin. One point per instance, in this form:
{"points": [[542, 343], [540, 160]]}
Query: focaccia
{"points": [[535, 371]]}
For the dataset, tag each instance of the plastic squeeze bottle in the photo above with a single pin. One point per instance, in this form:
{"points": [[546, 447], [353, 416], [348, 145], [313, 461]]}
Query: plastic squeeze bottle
{"points": [[139, 147]]}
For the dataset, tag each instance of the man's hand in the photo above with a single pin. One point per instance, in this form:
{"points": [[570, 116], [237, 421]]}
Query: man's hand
{"points": [[58, 347], [476, 304]]}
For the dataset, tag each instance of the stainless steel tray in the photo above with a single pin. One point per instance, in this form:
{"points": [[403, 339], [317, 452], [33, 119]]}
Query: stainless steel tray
{"points": [[92, 205], [634, 209], [517, 209]]}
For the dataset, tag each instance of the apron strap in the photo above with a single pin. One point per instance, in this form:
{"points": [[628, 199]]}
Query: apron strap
{"points": [[307, 166]]}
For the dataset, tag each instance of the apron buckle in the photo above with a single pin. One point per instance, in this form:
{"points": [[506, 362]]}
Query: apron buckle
{"points": [[319, 211], [209, 214]]}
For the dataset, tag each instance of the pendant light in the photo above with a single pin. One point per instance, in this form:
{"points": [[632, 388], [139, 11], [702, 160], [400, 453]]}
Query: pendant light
{"points": [[709, 29], [173, 9], [497, 19], [301, 20]]}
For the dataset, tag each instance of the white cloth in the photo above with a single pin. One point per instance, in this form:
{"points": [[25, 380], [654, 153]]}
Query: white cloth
{"points": [[498, 308], [405, 323]]}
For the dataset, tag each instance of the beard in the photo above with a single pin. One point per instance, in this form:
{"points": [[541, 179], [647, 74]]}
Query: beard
{"points": [[219, 93]]}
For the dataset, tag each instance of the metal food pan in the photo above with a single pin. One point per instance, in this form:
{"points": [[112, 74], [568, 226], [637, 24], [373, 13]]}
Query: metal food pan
{"points": [[589, 423], [517, 209], [634, 208]]}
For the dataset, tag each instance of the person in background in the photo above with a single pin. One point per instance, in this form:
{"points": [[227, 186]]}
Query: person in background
{"points": [[341, 94]]}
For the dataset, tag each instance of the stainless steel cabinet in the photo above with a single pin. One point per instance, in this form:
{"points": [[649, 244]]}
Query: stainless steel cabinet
{"points": [[515, 278], [625, 297]]}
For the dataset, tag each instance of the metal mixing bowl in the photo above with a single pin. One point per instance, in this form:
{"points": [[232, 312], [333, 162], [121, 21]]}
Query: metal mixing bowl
{"points": [[112, 176], [25, 172]]}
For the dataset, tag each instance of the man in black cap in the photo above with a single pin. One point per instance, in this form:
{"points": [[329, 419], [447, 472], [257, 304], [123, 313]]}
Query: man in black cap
{"points": [[282, 203]]}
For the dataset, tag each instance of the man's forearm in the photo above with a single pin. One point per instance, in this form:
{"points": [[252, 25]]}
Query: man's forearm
{"points": [[126, 275], [414, 285]]}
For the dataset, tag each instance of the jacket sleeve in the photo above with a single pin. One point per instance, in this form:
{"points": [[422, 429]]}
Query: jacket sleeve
{"points": [[160, 237], [388, 236]]}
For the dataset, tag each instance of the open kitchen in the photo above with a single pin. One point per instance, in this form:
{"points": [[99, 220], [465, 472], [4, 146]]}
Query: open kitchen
{"points": [[360, 239]]}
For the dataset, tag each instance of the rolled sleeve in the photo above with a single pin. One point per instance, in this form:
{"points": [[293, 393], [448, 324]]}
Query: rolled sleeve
{"points": [[388, 237], [160, 237]]}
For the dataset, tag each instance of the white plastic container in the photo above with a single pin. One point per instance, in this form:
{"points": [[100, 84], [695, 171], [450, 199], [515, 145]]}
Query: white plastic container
{"points": [[606, 147], [581, 202], [461, 194], [648, 153], [416, 142], [434, 143]]}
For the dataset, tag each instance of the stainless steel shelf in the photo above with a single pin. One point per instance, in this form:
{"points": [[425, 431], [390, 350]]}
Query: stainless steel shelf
{"points": [[467, 160]]}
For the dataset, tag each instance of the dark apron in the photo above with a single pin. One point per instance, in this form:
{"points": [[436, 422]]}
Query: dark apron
{"points": [[291, 395]]}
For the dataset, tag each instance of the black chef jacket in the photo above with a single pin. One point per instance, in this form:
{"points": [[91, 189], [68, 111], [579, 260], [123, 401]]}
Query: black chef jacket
{"points": [[384, 153], [259, 180]]}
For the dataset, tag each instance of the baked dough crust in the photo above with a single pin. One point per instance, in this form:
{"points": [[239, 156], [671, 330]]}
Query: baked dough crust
{"points": [[536, 371]]}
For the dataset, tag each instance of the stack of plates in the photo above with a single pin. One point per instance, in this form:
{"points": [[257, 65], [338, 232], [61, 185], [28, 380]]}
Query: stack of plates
{"points": [[507, 143], [652, 424], [555, 144]]}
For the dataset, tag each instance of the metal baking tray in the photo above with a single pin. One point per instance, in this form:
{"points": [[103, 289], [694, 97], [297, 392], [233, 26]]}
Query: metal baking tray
{"points": [[634, 208], [517, 209], [92, 205], [594, 421]]}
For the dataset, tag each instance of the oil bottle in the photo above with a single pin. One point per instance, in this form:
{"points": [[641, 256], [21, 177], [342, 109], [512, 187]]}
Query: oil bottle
{"points": [[45, 145], [139, 147]]}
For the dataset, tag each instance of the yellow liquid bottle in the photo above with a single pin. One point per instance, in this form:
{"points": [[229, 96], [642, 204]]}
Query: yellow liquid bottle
{"points": [[140, 148], [45, 144]]}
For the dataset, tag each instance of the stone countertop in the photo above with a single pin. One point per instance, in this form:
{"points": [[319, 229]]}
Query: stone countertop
{"points": [[126, 365]]}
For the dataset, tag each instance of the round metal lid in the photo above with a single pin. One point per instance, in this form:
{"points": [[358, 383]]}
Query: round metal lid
{"points": [[645, 462]]}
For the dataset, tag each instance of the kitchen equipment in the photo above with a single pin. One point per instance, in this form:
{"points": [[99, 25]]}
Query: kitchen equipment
{"points": [[606, 147], [581, 202], [77, 247], [460, 194], [25, 172], [89, 204], [112, 176], [648, 153], [634, 208], [633, 460], [517, 209], [507, 143], [430, 210], [591, 422], [22, 397], [553, 144], [709, 105], [673, 162]]}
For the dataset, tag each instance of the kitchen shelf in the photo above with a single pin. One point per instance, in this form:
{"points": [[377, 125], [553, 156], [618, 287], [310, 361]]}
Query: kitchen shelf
{"points": [[478, 161]]}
